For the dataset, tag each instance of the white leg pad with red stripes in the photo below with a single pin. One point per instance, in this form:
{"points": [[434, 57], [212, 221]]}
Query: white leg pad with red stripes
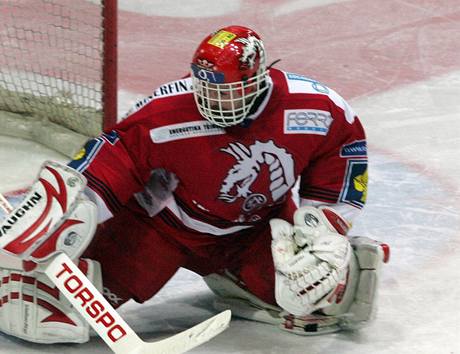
{"points": [[32, 308]]}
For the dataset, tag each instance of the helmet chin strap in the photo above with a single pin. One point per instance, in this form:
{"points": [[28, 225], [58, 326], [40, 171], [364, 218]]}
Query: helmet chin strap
{"points": [[258, 101]]}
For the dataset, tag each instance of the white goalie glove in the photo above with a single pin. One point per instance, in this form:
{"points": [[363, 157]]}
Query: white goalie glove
{"points": [[311, 261], [53, 217], [324, 281]]}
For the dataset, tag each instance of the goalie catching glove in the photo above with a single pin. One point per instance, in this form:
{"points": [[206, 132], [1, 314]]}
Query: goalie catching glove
{"points": [[324, 281], [311, 261]]}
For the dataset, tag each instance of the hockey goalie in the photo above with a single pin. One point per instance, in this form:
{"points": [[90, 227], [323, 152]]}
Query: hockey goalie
{"points": [[200, 175]]}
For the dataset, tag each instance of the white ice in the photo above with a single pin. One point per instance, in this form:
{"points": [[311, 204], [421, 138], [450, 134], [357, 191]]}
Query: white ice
{"points": [[413, 205]]}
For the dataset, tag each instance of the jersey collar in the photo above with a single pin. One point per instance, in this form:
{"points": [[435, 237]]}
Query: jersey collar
{"points": [[253, 116]]}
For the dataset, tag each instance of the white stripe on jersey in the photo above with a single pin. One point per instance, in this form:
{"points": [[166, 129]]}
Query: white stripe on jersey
{"points": [[201, 226], [302, 84], [173, 88]]}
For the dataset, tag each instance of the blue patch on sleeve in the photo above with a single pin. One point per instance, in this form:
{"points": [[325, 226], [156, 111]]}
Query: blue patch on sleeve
{"points": [[354, 190], [87, 153], [357, 148], [111, 137]]}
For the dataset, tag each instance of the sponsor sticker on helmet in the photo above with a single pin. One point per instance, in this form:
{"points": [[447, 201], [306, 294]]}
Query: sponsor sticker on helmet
{"points": [[213, 77], [221, 38]]}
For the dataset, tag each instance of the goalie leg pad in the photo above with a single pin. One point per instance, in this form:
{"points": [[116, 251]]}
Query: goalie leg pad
{"points": [[242, 303], [245, 305], [349, 309], [358, 304], [371, 255], [31, 307]]}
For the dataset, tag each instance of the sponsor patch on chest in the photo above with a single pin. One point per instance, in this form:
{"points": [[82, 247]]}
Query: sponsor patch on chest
{"points": [[307, 121], [183, 131]]}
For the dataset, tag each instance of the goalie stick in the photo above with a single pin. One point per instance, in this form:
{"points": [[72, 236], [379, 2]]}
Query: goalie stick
{"points": [[104, 319]]}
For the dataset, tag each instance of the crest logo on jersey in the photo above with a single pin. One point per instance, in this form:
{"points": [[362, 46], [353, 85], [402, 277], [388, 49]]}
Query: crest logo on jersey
{"points": [[84, 157], [247, 169], [80, 154], [354, 191]]}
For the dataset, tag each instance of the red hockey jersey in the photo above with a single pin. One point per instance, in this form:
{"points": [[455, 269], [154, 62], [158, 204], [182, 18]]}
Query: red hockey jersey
{"points": [[166, 157]]}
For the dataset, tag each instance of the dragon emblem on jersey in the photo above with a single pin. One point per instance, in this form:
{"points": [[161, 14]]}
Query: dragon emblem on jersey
{"points": [[249, 161], [252, 46]]}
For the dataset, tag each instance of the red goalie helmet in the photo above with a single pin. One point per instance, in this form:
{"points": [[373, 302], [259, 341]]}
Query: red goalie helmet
{"points": [[229, 72]]}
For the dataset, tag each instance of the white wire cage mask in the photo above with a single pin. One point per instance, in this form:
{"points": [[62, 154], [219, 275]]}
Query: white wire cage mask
{"points": [[228, 104]]}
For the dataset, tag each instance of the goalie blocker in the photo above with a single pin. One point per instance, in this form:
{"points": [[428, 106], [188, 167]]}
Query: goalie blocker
{"points": [[325, 282], [54, 217], [78, 290]]}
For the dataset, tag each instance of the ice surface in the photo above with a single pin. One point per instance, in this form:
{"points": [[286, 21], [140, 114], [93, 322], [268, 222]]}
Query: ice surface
{"points": [[413, 128]]}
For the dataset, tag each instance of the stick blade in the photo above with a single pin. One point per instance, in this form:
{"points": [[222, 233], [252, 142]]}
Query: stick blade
{"points": [[189, 339]]}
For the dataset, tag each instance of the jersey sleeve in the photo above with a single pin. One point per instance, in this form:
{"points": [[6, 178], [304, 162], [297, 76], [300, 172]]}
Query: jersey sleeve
{"points": [[117, 164], [337, 174]]}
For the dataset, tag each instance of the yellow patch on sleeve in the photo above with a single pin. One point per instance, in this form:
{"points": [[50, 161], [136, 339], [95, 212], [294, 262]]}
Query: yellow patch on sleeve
{"points": [[80, 154]]}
